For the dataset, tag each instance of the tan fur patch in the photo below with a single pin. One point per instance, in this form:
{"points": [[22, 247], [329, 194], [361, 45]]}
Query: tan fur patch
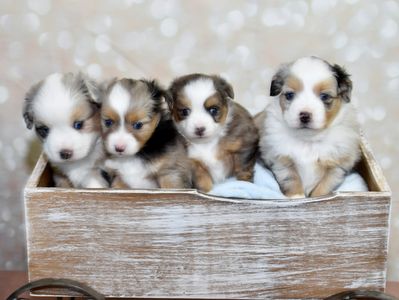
{"points": [[290, 183], [143, 134], [180, 103], [218, 102], [109, 113], [328, 86], [292, 84], [201, 177], [332, 111], [89, 115]]}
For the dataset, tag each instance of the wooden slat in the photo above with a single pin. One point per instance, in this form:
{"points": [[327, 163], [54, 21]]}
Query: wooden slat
{"points": [[184, 245]]}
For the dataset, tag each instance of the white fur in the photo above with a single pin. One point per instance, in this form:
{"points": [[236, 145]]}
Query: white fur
{"points": [[85, 173], [197, 92], [133, 171], [207, 154], [305, 146], [119, 100], [310, 71], [53, 107]]}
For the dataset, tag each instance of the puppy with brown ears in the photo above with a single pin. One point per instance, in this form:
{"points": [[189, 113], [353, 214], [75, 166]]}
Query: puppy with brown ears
{"points": [[221, 137], [309, 136], [64, 109], [142, 144]]}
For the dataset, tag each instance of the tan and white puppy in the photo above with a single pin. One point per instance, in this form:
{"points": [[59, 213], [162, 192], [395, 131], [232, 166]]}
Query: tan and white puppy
{"points": [[143, 146], [64, 109], [309, 135], [221, 137]]}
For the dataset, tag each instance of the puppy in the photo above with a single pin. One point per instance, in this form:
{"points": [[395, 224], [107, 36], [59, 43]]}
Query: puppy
{"points": [[143, 147], [221, 137], [309, 135], [64, 110]]}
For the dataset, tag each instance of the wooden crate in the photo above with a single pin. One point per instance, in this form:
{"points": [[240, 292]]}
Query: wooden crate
{"points": [[184, 244]]}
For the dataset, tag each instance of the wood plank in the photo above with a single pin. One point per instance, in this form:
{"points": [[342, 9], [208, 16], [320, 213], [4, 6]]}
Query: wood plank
{"points": [[182, 244]]}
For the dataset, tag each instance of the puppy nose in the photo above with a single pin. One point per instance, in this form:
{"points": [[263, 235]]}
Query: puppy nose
{"points": [[305, 117], [120, 148], [66, 154], [200, 131]]}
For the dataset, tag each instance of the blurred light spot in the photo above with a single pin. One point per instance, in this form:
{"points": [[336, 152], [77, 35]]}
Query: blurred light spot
{"points": [[41, 7], [43, 39], [102, 43], [321, 7], [161, 8], [352, 1], [32, 22], [273, 17], [6, 214], [64, 39], [15, 50], [353, 53], [393, 70], [340, 40], [236, 19], [3, 94], [108, 21], [393, 85], [389, 29], [169, 27], [178, 65], [385, 162], [79, 61], [94, 71], [251, 8], [378, 113], [130, 2]]}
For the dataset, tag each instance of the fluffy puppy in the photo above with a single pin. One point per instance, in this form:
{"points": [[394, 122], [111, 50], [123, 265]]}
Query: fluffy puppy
{"points": [[143, 146], [64, 111], [221, 137], [309, 135]]}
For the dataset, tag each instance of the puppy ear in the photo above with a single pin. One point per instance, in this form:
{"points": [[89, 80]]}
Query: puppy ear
{"points": [[155, 89], [223, 87], [344, 82], [90, 88], [27, 111], [278, 81]]}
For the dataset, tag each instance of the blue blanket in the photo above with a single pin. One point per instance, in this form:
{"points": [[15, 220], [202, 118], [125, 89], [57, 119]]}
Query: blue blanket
{"points": [[266, 187]]}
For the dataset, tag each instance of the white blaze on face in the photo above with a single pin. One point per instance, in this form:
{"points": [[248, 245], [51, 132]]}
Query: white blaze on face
{"points": [[53, 107], [197, 92], [119, 100], [311, 72]]}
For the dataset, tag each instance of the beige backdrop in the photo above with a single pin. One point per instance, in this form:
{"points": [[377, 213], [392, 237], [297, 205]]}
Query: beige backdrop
{"points": [[244, 41]]}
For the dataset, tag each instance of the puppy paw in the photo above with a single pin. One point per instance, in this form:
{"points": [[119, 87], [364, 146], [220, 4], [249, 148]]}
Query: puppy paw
{"points": [[296, 196]]}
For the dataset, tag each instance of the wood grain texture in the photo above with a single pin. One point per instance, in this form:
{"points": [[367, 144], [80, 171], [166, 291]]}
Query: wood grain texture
{"points": [[184, 244]]}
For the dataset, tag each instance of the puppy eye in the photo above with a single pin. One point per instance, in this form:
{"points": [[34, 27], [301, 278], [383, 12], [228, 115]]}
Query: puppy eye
{"points": [[78, 125], [325, 97], [108, 123], [42, 131], [185, 112], [213, 111], [289, 96], [137, 125]]}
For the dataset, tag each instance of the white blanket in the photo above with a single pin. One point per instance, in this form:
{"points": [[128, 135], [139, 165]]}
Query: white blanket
{"points": [[266, 187]]}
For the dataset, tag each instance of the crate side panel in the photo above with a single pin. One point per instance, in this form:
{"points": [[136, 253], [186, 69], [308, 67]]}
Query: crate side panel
{"points": [[180, 245]]}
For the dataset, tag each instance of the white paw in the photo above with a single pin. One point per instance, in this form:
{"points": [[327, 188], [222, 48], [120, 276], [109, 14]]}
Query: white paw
{"points": [[296, 196]]}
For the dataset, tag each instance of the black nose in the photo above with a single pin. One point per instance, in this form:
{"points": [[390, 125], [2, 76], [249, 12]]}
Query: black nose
{"points": [[200, 131], [120, 148], [66, 154], [305, 117]]}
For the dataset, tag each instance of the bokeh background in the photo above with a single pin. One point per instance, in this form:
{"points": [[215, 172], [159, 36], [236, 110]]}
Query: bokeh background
{"points": [[244, 41]]}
